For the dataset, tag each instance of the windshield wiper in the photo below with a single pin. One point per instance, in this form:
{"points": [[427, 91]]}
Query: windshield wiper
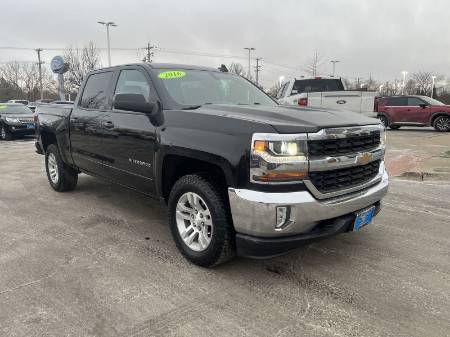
{"points": [[193, 107]]}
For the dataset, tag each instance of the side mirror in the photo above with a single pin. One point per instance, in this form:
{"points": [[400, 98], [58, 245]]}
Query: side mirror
{"points": [[134, 102], [423, 105]]}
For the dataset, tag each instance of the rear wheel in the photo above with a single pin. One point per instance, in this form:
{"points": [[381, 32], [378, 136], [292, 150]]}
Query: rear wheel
{"points": [[442, 123], [394, 127], [199, 221], [5, 134], [60, 176]]}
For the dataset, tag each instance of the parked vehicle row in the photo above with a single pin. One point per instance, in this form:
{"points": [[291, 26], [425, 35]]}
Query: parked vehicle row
{"points": [[240, 174]]}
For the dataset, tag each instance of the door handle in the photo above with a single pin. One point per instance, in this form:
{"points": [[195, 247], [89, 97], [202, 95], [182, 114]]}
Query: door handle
{"points": [[108, 124]]}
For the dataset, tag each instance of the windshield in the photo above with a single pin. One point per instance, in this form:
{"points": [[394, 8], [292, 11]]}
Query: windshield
{"points": [[431, 101], [14, 109], [198, 87]]}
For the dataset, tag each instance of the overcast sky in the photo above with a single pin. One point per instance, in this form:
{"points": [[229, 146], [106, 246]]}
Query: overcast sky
{"points": [[377, 37]]}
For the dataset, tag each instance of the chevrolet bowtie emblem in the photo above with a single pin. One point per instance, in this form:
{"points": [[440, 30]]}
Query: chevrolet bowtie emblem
{"points": [[364, 158]]}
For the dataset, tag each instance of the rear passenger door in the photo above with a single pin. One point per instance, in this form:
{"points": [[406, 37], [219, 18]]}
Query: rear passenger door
{"points": [[86, 128], [129, 145]]}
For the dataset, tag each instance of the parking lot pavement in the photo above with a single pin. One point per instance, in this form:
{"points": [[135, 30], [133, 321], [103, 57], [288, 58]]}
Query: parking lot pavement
{"points": [[99, 261], [418, 153]]}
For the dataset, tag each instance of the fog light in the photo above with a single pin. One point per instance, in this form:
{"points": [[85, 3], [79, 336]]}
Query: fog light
{"points": [[283, 217]]}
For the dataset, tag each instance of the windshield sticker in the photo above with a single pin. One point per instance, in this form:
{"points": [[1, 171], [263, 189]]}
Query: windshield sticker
{"points": [[172, 74]]}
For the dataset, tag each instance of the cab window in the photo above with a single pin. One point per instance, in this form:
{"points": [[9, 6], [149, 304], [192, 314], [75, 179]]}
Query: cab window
{"points": [[95, 93]]}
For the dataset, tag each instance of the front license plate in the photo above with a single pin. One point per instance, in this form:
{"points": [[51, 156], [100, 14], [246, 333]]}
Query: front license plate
{"points": [[30, 126], [363, 218]]}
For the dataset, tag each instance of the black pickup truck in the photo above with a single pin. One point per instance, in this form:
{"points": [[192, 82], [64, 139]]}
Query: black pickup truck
{"points": [[239, 173]]}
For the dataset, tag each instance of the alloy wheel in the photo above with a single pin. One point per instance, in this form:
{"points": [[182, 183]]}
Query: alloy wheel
{"points": [[52, 168], [443, 123], [194, 221]]}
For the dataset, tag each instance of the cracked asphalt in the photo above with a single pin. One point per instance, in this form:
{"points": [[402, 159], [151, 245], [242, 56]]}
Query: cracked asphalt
{"points": [[99, 261]]}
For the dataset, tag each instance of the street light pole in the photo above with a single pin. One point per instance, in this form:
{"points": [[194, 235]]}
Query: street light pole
{"points": [[334, 65], [433, 78], [404, 73], [107, 24], [249, 69]]}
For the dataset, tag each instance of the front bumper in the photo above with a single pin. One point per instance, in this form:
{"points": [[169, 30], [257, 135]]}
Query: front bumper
{"points": [[254, 212], [262, 248], [21, 129]]}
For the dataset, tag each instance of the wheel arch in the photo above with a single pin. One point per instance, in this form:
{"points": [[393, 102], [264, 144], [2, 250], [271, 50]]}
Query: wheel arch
{"points": [[438, 114], [173, 166]]}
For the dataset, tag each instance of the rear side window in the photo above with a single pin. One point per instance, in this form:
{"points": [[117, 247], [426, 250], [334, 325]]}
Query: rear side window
{"points": [[413, 101], [95, 93], [397, 101], [317, 85], [133, 82]]}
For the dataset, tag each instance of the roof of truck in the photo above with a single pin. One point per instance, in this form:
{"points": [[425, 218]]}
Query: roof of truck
{"points": [[163, 66]]}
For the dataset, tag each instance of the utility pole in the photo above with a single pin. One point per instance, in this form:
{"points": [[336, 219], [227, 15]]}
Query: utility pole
{"points": [[107, 24], [257, 69], [150, 53], [249, 68], [41, 89], [334, 66]]}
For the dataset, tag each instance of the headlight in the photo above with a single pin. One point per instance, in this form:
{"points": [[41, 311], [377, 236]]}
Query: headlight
{"points": [[12, 120], [278, 158]]}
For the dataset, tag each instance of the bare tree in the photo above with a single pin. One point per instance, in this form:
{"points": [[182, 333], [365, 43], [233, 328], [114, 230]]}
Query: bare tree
{"points": [[273, 91], [312, 68], [80, 63], [424, 81], [410, 87], [237, 69]]}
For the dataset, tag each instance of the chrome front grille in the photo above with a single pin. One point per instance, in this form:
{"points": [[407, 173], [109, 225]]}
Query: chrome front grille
{"points": [[341, 146], [344, 160], [26, 120]]}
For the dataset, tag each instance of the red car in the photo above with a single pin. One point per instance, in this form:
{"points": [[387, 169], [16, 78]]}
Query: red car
{"points": [[397, 111]]}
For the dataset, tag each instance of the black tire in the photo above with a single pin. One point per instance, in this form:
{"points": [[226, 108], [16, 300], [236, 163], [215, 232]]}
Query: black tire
{"points": [[5, 134], [222, 245], [394, 127], [384, 120], [442, 124], [67, 177]]}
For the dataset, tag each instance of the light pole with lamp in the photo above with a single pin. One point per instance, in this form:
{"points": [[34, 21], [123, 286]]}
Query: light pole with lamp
{"points": [[107, 24]]}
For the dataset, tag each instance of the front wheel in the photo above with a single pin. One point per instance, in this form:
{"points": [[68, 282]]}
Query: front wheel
{"points": [[442, 123], [60, 176], [5, 134], [199, 222], [384, 120]]}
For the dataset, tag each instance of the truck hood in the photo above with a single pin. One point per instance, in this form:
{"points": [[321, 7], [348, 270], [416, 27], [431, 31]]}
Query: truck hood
{"points": [[285, 119]]}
